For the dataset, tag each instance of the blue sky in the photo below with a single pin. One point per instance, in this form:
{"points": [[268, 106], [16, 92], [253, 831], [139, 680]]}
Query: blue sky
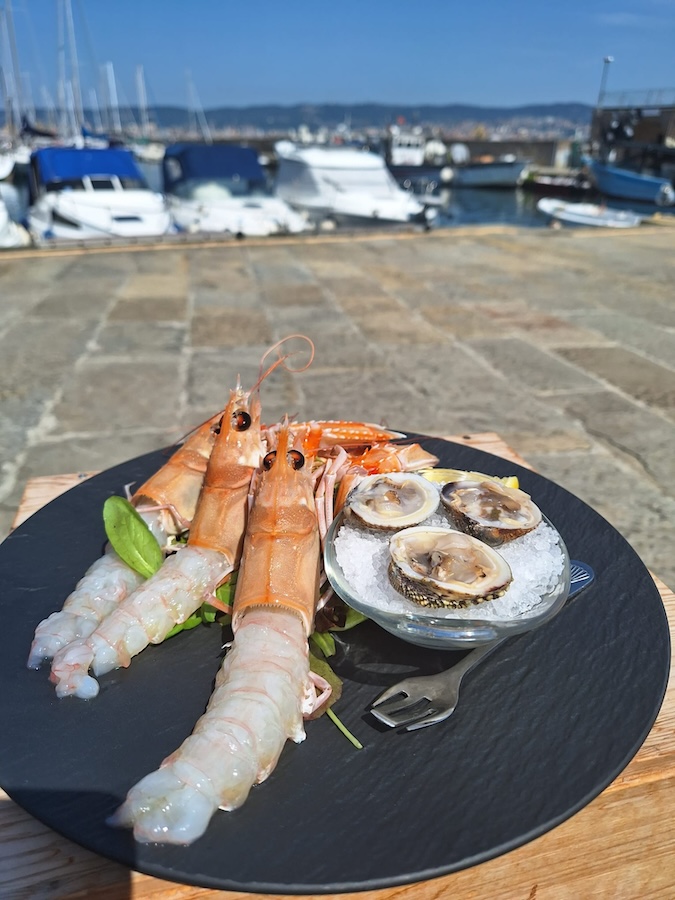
{"points": [[490, 52]]}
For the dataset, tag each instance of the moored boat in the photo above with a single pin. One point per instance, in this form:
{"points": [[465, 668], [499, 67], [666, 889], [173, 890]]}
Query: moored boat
{"points": [[629, 185], [559, 184], [345, 185], [11, 233], [497, 174], [223, 188], [588, 214], [80, 194]]}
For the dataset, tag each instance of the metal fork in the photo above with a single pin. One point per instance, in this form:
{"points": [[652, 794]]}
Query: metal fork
{"points": [[427, 699]]}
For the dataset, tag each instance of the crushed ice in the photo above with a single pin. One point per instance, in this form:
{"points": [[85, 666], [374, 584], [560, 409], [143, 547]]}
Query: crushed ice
{"points": [[536, 561]]}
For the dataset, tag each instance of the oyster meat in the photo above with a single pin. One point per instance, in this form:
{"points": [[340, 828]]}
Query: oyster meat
{"points": [[492, 512], [440, 567], [392, 501]]}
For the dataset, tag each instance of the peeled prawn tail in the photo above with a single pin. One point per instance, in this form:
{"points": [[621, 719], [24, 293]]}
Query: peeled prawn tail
{"points": [[257, 705], [105, 584], [185, 581]]}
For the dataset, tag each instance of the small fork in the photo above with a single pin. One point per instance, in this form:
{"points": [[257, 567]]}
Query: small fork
{"points": [[428, 699]]}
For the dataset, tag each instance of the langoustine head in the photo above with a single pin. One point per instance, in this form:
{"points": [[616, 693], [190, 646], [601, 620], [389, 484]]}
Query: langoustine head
{"points": [[281, 556]]}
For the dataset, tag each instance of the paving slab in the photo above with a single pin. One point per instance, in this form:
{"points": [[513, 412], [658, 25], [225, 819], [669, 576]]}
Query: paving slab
{"points": [[631, 373]]}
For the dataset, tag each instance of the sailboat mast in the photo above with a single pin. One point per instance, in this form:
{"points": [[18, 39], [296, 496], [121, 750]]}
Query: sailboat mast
{"points": [[114, 103], [197, 111], [8, 101], [142, 101], [16, 74], [74, 65], [61, 65]]}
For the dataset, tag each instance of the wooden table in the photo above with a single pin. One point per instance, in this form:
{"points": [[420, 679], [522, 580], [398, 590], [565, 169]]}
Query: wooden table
{"points": [[622, 845]]}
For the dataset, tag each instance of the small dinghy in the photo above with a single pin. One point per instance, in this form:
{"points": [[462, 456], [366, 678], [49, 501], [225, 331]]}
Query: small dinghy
{"points": [[588, 214]]}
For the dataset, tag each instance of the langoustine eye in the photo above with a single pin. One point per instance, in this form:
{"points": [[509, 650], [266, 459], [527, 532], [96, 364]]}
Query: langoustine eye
{"points": [[268, 461], [241, 420], [297, 460]]}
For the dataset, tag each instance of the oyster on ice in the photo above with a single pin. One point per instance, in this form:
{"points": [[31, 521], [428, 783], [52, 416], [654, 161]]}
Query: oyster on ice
{"points": [[439, 567], [492, 512], [391, 501]]}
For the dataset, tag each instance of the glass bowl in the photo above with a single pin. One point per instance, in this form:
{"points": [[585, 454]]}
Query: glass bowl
{"points": [[446, 629]]}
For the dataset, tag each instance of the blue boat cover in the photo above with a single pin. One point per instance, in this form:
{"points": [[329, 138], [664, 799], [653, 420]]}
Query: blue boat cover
{"points": [[209, 162], [69, 163]]}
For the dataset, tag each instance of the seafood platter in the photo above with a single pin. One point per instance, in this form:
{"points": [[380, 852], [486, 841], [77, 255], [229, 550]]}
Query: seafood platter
{"points": [[258, 584]]}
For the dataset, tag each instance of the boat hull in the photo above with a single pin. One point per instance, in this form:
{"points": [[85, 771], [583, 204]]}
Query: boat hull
{"points": [[489, 175], [84, 216], [249, 218], [626, 185], [589, 214]]}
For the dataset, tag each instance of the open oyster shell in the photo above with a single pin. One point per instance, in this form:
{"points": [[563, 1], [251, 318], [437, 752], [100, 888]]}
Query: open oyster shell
{"points": [[392, 501], [439, 567], [492, 512]]}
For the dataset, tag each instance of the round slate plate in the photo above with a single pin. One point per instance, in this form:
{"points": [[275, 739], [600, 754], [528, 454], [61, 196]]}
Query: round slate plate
{"points": [[542, 728]]}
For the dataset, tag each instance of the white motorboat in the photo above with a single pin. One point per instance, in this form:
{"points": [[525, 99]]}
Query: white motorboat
{"points": [[223, 188], [588, 214], [11, 233], [82, 194], [344, 185]]}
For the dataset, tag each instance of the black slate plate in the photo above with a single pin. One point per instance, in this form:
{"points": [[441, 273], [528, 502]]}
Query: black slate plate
{"points": [[543, 727]]}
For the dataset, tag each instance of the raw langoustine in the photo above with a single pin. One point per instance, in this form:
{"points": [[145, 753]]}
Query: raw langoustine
{"points": [[167, 503], [264, 685], [189, 577]]}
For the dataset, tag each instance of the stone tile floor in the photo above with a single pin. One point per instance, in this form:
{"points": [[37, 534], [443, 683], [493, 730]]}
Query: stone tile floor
{"points": [[561, 341]]}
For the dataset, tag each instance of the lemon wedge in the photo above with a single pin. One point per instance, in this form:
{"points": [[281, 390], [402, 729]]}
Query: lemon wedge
{"points": [[443, 476]]}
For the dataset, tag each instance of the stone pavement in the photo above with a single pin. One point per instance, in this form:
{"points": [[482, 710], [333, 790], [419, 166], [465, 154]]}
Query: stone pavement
{"points": [[561, 341]]}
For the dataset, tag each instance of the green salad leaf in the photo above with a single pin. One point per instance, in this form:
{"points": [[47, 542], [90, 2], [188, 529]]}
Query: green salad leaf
{"points": [[205, 615], [130, 537], [225, 592]]}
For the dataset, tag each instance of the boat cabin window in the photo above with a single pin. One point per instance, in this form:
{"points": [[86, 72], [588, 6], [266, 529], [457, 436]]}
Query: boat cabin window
{"points": [[70, 184], [132, 184], [219, 188], [102, 184], [376, 181]]}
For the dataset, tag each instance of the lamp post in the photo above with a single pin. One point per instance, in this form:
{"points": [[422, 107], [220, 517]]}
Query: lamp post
{"points": [[607, 61]]}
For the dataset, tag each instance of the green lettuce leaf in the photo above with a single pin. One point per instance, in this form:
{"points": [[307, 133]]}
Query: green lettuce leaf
{"points": [[130, 537]]}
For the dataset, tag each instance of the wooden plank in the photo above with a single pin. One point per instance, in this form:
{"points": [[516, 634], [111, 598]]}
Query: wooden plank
{"points": [[621, 846], [41, 490]]}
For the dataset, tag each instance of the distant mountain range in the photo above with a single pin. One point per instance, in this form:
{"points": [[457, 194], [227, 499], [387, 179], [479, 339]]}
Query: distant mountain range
{"points": [[280, 118], [370, 114]]}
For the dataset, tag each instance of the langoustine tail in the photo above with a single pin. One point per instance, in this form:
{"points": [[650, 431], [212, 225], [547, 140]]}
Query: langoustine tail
{"points": [[185, 581], [106, 583], [262, 690]]}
